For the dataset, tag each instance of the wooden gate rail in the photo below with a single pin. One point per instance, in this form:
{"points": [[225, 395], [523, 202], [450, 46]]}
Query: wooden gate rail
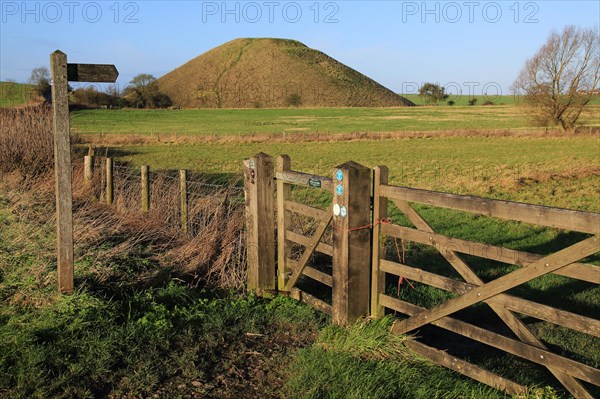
{"points": [[569, 320], [580, 271], [567, 219], [474, 290]]}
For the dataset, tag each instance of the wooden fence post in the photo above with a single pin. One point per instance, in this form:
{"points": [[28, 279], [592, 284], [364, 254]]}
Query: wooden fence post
{"points": [[88, 168], [62, 171], [284, 191], [184, 201], [351, 242], [260, 227], [109, 182], [380, 176], [145, 188]]}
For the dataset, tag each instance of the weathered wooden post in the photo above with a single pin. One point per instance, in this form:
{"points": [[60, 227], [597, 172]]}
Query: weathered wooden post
{"points": [[284, 190], [351, 242], [62, 171], [260, 239], [145, 188], [109, 182], [380, 176], [184, 201], [88, 168], [61, 74]]}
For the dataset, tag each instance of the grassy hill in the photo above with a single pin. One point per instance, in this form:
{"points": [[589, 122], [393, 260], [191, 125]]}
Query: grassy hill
{"points": [[272, 73], [13, 94]]}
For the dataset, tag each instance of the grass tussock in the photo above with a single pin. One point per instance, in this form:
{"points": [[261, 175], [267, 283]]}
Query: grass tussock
{"points": [[26, 141]]}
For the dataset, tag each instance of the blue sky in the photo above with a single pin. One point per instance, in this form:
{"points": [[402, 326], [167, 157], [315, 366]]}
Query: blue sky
{"points": [[468, 46]]}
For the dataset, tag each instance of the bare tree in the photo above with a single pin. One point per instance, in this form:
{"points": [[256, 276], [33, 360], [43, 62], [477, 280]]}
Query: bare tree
{"points": [[562, 77], [40, 80]]}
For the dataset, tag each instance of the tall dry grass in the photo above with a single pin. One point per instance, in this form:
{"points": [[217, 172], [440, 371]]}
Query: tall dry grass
{"points": [[26, 141], [211, 253], [120, 245]]}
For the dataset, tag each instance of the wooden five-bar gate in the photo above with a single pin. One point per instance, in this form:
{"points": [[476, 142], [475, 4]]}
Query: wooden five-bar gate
{"points": [[357, 223]]}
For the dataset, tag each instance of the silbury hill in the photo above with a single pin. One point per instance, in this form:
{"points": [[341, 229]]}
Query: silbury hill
{"points": [[272, 73]]}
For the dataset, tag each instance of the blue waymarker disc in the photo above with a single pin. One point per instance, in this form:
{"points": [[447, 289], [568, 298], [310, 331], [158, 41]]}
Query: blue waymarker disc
{"points": [[343, 211], [339, 175], [339, 189]]}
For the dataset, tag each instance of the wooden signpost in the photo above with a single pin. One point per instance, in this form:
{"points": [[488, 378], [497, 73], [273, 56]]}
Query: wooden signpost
{"points": [[61, 74]]}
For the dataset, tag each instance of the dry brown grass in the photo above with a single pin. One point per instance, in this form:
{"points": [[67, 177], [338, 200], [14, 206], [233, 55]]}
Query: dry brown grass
{"points": [[212, 253], [119, 244], [26, 140], [102, 140]]}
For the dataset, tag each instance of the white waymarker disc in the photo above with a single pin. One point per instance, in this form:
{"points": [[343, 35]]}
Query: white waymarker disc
{"points": [[336, 210]]}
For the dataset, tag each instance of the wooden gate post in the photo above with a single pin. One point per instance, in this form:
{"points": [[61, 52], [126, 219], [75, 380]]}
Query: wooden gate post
{"points": [[380, 177], [351, 242], [260, 219]]}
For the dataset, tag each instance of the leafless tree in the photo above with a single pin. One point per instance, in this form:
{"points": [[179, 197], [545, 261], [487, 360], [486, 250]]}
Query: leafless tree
{"points": [[562, 77]]}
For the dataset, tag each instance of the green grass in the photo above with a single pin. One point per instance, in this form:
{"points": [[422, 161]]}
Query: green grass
{"points": [[463, 100], [552, 171], [170, 340], [232, 122], [13, 94], [131, 340]]}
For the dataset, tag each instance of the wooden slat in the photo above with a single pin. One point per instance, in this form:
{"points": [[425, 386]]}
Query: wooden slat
{"points": [[307, 210], [546, 265], [311, 300], [581, 271], [284, 251], [380, 176], [308, 251], [313, 273], [301, 179], [586, 222], [470, 370], [322, 247], [425, 277], [521, 349], [563, 318]]}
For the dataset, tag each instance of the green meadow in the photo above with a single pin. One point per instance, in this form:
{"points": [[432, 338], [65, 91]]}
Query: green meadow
{"points": [[295, 121]]}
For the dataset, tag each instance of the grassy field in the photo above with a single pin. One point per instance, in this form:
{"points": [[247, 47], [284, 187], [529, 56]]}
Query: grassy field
{"points": [[463, 100], [553, 171], [13, 94], [231, 122]]}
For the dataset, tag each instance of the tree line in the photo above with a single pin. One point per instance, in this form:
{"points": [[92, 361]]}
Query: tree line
{"points": [[141, 92]]}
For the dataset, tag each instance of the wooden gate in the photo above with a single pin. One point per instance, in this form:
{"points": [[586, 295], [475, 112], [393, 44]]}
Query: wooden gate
{"points": [[347, 217], [474, 290], [358, 223]]}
